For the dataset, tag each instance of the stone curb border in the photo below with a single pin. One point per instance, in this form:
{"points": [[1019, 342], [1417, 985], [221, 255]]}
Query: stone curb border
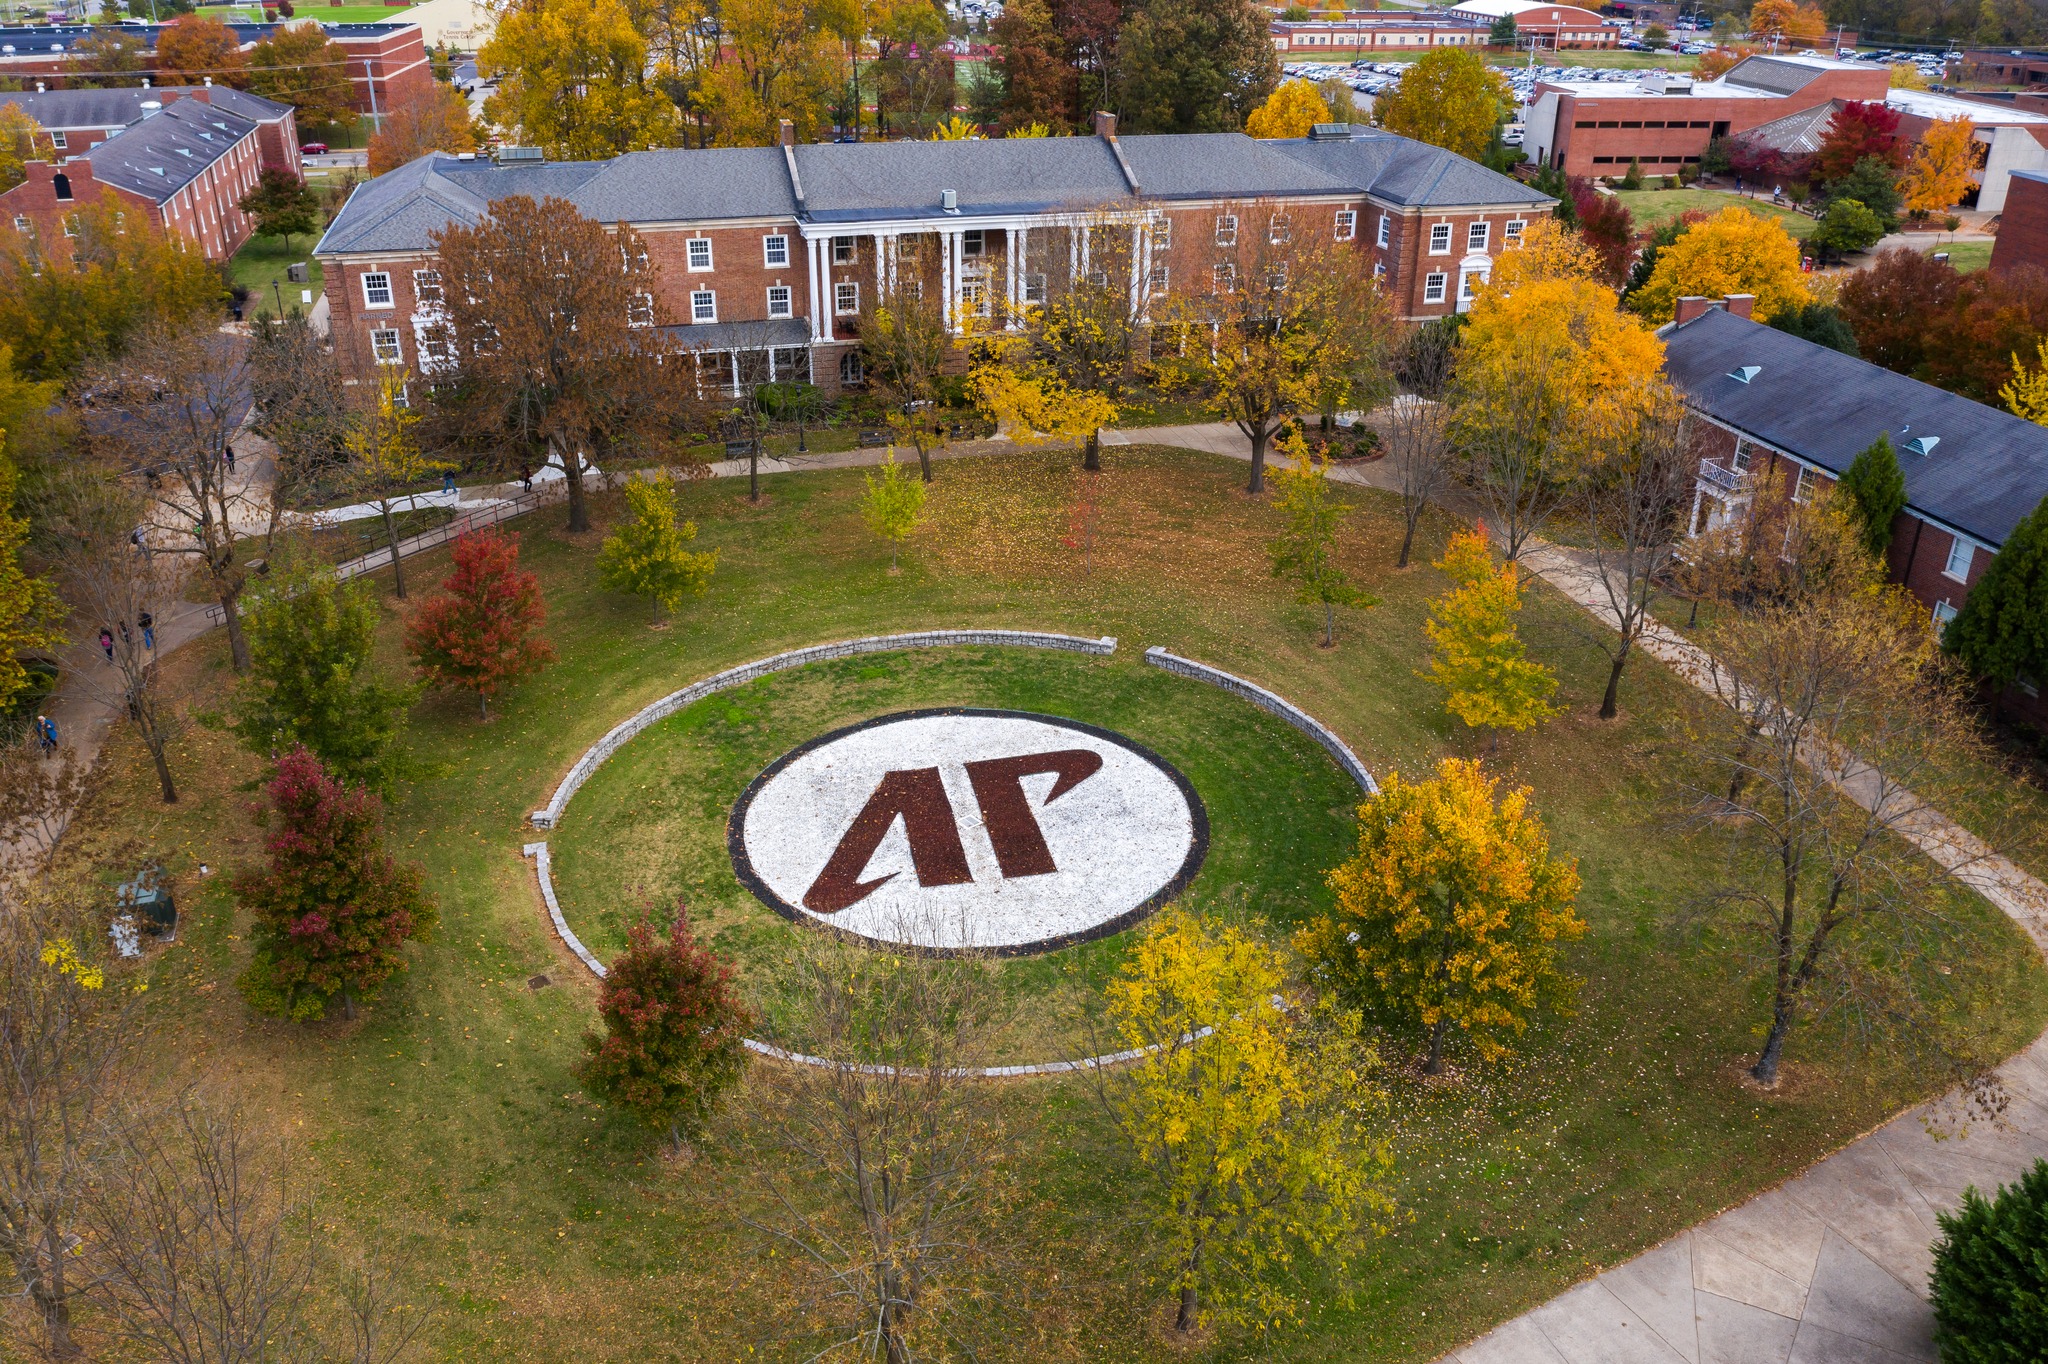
{"points": [[595, 756], [1271, 704], [674, 701]]}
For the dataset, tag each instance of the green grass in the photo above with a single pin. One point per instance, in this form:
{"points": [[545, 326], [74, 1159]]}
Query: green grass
{"points": [[261, 264], [1653, 207], [1966, 257], [446, 1122]]}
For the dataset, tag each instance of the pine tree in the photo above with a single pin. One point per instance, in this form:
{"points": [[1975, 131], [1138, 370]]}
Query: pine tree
{"points": [[674, 1030], [480, 635], [1450, 914], [1990, 1279], [892, 505], [2002, 630], [648, 554], [1479, 660], [332, 909], [1877, 493], [1305, 553]]}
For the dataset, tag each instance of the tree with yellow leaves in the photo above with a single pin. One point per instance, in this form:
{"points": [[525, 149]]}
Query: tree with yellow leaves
{"points": [[1249, 1116], [1786, 21], [22, 140], [2027, 394], [1450, 915], [1476, 656], [29, 609], [1449, 98], [573, 78], [1549, 250], [1939, 173], [955, 129], [1548, 372], [385, 459], [648, 553], [1291, 110], [1733, 252], [1305, 552], [1031, 406]]}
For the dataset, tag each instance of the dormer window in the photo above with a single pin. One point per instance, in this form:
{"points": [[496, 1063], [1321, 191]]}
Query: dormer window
{"points": [[1746, 373], [1923, 445]]}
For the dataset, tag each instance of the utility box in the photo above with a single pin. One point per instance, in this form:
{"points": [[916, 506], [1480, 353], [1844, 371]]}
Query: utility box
{"points": [[147, 901], [295, 273]]}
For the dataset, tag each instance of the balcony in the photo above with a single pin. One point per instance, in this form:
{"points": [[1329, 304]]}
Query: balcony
{"points": [[1718, 475]]}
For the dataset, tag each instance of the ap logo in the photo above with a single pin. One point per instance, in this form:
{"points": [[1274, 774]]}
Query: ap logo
{"points": [[951, 830]]}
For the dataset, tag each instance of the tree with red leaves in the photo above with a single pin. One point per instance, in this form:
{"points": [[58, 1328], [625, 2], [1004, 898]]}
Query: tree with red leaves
{"points": [[1608, 227], [674, 1032], [1971, 348], [1860, 129], [480, 635], [332, 909], [1897, 303]]}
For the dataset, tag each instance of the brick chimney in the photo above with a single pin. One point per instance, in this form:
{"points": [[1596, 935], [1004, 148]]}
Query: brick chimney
{"points": [[788, 133], [1741, 305], [1690, 307], [1105, 125]]}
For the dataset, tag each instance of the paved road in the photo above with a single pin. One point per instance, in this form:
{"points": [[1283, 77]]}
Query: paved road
{"points": [[1831, 1267]]}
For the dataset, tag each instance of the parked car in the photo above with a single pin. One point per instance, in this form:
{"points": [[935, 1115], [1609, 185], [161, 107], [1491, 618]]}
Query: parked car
{"points": [[312, 149]]}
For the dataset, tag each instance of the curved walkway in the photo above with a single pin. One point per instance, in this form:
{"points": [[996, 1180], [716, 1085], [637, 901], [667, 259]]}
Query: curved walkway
{"points": [[1830, 1267]]}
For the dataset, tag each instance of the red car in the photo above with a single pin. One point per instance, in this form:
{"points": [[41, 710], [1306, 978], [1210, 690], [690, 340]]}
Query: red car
{"points": [[312, 149]]}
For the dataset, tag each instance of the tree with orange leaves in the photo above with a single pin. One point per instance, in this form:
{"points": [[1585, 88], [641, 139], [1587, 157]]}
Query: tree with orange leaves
{"points": [[194, 46], [1786, 21], [1939, 173], [429, 118], [479, 635]]}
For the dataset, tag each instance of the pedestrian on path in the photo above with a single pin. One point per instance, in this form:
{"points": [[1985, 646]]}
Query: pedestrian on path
{"points": [[126, 638], [107, 643], [526, 476], [447, 480], [46, 736], [231, 457], [148, 624]]}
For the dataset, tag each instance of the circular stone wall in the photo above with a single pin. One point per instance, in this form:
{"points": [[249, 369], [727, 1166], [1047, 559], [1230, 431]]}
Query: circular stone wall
{"points": [[964, 829]]}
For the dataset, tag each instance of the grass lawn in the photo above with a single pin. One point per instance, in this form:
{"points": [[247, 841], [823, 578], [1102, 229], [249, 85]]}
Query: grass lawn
{"points": [[261, 263], [1653, 207], [1966, 257], [446, 1121]]}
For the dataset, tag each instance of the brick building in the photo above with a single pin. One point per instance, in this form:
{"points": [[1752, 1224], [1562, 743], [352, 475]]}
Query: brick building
{"points": [[1366, 31], [2023, 226], [1552, 26], [1664, 122], [384, 60], [184, 167], [80, 119], [1773, 406], [769, 251]]}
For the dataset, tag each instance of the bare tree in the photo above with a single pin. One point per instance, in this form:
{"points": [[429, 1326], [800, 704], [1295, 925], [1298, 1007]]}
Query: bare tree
{"points": [[905, 343], [38, 796], [1837, 720], [302, 406], [169, 410], [65, 1047], [553, 339], [1419, 424], [883, 1174], [117, 581], [1634, 503]]}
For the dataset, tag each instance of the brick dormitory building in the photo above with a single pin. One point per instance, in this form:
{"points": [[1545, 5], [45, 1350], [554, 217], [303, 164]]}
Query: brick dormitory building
{"points": [[769, 251]]}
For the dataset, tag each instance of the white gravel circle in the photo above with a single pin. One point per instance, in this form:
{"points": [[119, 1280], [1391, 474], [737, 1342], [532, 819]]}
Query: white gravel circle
{"points": [[969, 830]]}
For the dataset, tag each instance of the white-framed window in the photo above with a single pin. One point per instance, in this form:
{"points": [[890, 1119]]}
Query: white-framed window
{"points": [[1379, 270], [23, 225], [779, 300], [973, 242], [640, 310], [1439, 239], [976, 298], [1223, 278], [846, 251], [1511, 232], [1739, 461], [845, 298], [635, 258], [1961, 555], [699, 253], [1226, 229], [1157, 280], [775, 250], [1098, 278], [426, 288], [1279, 229], [1802, 486], [1433, 287], [1162, 231], [384, 346], [1276, 276], [60, 142], [71, 224], [1347, 224], [912, 289], [1034, 288], [703, 306], [1386, 229], [1465, 284], [851, 374], [1476, 236], [376, 289], [1944, 612]]}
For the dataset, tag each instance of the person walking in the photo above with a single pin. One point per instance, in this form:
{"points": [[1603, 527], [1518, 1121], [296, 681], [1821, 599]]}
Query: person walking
{"points": [[43, 732], [526, 476], [49, 736], [126, 638], [148, 624], [447, 480], [107, 643], [231, 456]]}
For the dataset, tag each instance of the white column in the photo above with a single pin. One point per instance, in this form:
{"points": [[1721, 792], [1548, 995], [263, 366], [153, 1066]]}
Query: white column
{"points": [[1085, 243], [1137, 268], [1073, 254], [881, 268], [821, 288], [946, 276], [956, 251], [1023, 264]]}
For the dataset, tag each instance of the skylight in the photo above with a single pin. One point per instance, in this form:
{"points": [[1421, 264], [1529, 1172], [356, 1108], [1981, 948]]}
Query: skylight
{"points": [[1923, 445], [1744, 374]]}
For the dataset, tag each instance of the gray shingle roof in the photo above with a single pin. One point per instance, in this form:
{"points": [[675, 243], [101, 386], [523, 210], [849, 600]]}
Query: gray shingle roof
{"points": [[1990, 469], [871, 181], [162, 154], [1795, 134], [1768, 73], [119, 107]]}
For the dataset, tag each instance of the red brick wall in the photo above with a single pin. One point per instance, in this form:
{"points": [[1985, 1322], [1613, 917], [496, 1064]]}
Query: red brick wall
{"points": [[1603, 150], [2022, 227], [36, 200]]}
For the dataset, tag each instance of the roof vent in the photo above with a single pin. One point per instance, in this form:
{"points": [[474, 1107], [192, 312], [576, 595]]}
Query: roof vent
{"points": [[522, 156], [1330, 132], [949, 200], [465, 156], [1923, 445], [1745, 373], [152, 105]]}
